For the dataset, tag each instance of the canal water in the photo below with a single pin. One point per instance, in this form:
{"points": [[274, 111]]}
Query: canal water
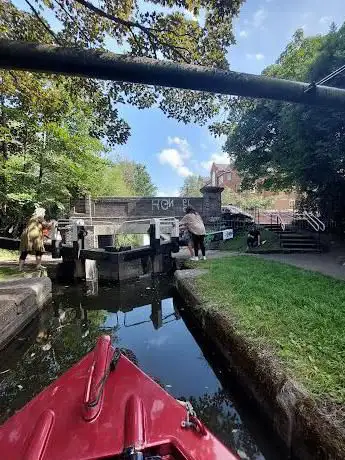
{"points": [[145, 319]]}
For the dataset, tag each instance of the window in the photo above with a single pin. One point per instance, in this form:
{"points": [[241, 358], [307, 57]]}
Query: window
{"points": [[292, 204], [228, 177], [220, 180], [213, 178]]}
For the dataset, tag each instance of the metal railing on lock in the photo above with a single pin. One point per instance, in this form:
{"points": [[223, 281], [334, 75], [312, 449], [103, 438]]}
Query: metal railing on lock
{"points": [[164, 227]]}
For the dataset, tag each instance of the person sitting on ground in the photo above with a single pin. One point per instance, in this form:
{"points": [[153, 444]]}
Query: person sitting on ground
{"points": [[192, 221], [31, 240], [253, 238]]}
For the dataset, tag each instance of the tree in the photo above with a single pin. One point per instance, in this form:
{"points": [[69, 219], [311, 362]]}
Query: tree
{"points": [[138, 178], [47, 163], [51, 155], [172, 30], [284, 145], [192, 186], [113, 182]]}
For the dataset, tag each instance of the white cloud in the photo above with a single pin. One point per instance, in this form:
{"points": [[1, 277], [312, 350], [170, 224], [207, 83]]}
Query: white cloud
{"points": [[257, 56], [244, 34], [175, 157], [325, 20], [184, 171], [172, 157], [182, 144], [222, 158], [259, 17]]}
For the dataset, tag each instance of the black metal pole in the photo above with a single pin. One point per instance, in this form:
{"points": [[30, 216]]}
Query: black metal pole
{"points": [[109, 66]]}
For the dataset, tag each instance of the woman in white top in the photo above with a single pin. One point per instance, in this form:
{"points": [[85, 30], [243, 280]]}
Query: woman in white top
{"points": [[194, 224]]}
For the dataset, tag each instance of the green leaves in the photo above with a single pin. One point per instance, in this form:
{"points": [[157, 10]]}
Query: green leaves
{"points": [[282, 145], [192, 186], [169, 33]]}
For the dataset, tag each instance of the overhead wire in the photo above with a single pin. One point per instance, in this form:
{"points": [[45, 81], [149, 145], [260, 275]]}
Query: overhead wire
{"points": [[325, 79], [331, 75]]}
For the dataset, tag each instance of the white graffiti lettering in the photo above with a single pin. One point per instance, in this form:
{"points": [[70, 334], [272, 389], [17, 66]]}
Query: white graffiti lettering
{"points": [[163, 204], [155, 204], [185, 204]]}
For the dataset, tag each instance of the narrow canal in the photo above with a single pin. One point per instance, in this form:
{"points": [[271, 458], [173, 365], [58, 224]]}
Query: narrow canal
{"points": [[144, 318]]}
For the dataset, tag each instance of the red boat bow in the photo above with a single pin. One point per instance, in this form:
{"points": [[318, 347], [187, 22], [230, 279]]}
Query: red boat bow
{"points": [[105, 407]]}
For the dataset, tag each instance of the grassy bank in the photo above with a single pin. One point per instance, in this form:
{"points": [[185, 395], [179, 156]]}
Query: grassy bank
{"points": [[298, 314], [5, 254], [7, 273], [239, 242]]}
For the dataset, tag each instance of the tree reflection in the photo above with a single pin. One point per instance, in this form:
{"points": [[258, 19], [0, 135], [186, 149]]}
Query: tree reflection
{"points": [[220, 416], [62, 340]]}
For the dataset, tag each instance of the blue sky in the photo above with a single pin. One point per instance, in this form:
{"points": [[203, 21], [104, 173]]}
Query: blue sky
{"points": [[173, 150], [170, 149]]}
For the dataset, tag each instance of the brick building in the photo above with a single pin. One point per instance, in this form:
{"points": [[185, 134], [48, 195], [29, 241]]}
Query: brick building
{"points": [[225, 175]]}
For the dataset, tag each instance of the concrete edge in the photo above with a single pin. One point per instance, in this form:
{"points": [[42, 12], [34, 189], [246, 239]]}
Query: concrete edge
{"points": [[296, 419], [20, 301]]}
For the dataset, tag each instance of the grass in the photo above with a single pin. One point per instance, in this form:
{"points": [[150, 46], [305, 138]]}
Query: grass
{"points": [[239, 242], [7, 273], [5, 254], [298, 314]]}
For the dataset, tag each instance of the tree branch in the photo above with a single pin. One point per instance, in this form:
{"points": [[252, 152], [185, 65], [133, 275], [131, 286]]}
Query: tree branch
{"points": [[44, 24], [73, 19], [148, 31], [113, 18]]}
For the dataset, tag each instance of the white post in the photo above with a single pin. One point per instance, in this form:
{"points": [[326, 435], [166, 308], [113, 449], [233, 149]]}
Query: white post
{"points": [[157, 229], [74, 231], [175, 229]]}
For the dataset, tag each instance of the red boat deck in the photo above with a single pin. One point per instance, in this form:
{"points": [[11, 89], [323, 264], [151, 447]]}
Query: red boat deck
{"points": [[93, 412]]}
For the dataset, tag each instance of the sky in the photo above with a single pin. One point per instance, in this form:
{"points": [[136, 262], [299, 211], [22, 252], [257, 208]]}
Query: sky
{"points": [[172, 150]]}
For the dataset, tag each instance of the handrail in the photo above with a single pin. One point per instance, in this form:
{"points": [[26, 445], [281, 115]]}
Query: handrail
{"points": [[282, 224], [319, 221], [311, 221]]}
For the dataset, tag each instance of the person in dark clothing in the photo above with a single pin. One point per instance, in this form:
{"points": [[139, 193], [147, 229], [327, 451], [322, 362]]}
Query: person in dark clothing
{"points": [[253, 238], [82, 233]]}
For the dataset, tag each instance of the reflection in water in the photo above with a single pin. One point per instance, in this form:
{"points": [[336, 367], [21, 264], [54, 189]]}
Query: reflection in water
{"points": [[144, 320]]}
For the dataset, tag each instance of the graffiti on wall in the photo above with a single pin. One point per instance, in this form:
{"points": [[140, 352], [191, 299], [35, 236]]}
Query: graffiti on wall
{"points": [[164, 204]]}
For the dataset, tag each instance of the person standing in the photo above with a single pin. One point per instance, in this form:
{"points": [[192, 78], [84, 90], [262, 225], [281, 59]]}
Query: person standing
{"points": [[193, 222], [31, 240]]}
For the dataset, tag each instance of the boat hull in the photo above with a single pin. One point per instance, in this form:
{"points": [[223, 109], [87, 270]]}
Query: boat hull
{"points": [[101, 409]]}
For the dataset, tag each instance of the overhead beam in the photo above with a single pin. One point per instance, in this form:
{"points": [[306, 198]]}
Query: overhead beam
{"points": [[109, 66]]}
